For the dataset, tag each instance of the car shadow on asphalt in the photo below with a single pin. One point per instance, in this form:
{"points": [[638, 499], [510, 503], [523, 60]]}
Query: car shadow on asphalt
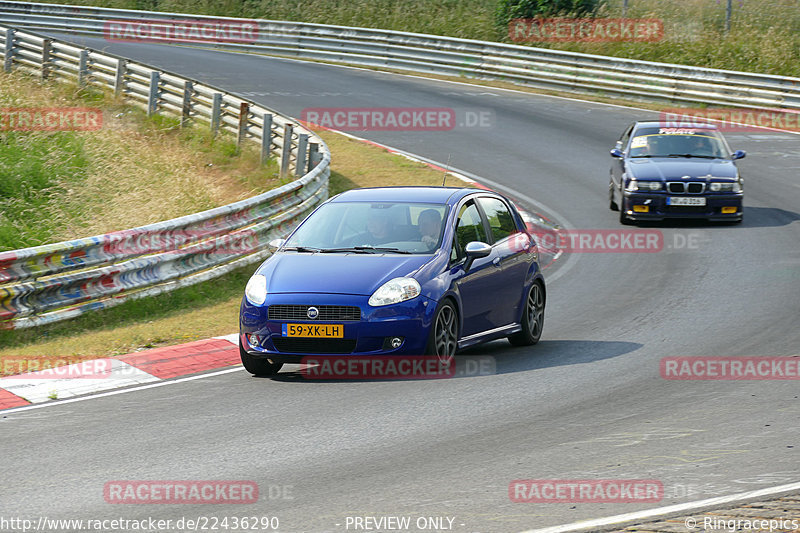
{"points": [[496, 357], [754, 217]]}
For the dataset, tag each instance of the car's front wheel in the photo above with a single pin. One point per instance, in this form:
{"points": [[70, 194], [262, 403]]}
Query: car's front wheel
{"points": [[258, 366], [532, 318], [443, 338], [611, 203]]}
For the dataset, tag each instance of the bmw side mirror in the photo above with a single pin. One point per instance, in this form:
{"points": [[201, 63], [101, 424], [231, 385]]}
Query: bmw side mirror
{"points": [[475, 250], [616, 152], [739, 154], [274, 244]]}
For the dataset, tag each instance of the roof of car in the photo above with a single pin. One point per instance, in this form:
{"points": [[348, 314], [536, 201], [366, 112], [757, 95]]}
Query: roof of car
{"points": [[662, 124], [438, 195]]}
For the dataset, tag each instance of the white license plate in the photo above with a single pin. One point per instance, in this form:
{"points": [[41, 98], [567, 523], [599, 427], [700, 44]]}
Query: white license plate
{"points": [[680, 200]]}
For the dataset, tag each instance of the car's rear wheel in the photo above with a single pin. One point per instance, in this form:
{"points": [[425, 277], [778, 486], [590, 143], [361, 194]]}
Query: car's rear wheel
{"points": [[443, 338], [532, 318], [611, 203], [258, 366]]}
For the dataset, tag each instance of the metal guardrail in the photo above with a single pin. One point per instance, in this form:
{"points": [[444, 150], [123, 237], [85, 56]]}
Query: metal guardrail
{"points": [[536, 67], [57, 281]]}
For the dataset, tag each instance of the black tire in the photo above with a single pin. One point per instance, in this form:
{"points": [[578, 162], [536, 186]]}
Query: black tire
{"points": [[443, 338], [258, 366], [532, 318], [623, 218], [611, 203]]}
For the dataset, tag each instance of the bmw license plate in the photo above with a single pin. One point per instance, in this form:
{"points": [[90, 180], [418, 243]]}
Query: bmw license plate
{"points": [[679, 200], [315, 331]]}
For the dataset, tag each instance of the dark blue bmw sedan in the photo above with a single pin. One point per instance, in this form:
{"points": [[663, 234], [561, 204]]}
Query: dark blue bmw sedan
{"points": [[668, 172], [395, 271]]}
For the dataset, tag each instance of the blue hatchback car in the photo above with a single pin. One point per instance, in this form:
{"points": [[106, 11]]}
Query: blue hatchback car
{"points": [[394, 271], [666, 172]]}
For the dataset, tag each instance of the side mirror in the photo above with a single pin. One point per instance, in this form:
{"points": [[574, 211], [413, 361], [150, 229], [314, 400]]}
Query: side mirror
{"points": [[475, 250], [616, 152], [274, 244], [739, 154]]}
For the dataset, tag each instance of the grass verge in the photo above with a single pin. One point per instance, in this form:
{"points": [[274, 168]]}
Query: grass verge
{"points": [[135, 170]]}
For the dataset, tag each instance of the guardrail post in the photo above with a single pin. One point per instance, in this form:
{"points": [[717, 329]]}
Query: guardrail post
{"points": [[244, 115], [313, 156], [266, 138], [8, 55], [152, 97], [300, 162], [119, 76], [186, 106], [47, 48], [83, 67], [286, 153], [216, 111]]}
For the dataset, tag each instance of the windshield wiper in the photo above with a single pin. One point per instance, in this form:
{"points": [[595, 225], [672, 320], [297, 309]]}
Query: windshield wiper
{"points": [[694, 155], [647, 155], [365, 250], [301, 249]]}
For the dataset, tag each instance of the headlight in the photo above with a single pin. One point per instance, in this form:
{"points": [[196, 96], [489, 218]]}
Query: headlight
{"points": [[725, 186], [256, 290], [394, 291], [634, 185]]}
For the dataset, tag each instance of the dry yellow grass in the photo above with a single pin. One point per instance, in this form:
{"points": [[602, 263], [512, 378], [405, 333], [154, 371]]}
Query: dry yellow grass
{"points": [[138, 171]]}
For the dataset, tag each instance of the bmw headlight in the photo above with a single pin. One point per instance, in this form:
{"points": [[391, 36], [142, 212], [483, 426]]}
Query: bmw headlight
{"points": [[256, 289], [644, 186], [394, 291], [725, 186]]}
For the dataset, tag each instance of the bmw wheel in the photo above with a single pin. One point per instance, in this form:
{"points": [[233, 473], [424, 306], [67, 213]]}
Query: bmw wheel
{"points": [[611, 203]]}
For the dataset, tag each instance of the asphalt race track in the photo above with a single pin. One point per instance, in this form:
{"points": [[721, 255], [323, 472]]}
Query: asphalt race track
{"points": [[586, 402]]}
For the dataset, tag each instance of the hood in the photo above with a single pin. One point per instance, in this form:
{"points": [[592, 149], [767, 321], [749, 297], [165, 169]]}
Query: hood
{"points": [[671, 168], [335, 273]]}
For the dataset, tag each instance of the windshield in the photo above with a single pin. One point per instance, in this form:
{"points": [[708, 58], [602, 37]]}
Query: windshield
{"points": [[678, 142], [398, 227]]}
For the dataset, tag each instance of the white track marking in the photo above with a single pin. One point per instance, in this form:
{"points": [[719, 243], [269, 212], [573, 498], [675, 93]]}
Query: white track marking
{"points": [[121, 391], [680, 508]]}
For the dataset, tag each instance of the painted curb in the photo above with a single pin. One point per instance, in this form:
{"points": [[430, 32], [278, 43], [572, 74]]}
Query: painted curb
{"points": [[115, 372]]}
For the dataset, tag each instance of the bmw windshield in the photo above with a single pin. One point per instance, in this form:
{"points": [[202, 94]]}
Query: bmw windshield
{"points": [[678, 142]]}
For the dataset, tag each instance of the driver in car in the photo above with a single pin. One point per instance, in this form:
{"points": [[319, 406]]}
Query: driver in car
{"points": [[430, 224]]}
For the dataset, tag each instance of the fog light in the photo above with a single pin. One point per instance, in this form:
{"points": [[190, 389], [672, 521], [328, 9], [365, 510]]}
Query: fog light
{"points": [[392, 343], [641, 208], [729, 209], [254, 339]]}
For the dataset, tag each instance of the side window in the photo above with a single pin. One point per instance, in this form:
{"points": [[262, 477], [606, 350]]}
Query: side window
{"points": [[501, 222], [469, 227]]}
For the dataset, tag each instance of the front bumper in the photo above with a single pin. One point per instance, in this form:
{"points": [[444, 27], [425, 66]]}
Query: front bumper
{"points": [[657, 208], [410, 320]]}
